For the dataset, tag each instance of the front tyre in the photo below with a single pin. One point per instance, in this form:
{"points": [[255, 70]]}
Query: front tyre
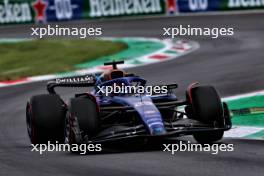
{"points": [[82, 120], [207, 108], [45, 117], [208, 137]]}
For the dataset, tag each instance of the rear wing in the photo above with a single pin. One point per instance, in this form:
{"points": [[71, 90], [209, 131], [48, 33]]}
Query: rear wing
{"points": [[171, 87], [74, 81]]}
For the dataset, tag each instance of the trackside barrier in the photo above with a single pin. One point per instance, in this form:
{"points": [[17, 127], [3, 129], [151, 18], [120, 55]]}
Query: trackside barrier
{"points": [[42, 11], [182, 6]]}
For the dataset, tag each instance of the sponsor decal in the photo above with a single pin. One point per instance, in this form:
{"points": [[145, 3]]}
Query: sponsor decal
{"points": [[171, 7], [14, 12], [245, 3], [144, 103], [56, 10], [100, 8], [150, 112], [40, 7], [64, 9], [79, 79], [196, 5]]}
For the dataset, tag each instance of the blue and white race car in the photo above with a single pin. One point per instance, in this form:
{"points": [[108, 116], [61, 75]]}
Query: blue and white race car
{"points": [[101, 116]]}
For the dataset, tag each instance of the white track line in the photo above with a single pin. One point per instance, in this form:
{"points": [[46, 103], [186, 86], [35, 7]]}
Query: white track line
{"points": [[246, 95], [242, 131]]}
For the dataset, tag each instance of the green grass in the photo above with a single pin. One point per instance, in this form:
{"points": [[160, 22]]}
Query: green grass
{"points": [[248, 102], [248, 119], [40, 57]]}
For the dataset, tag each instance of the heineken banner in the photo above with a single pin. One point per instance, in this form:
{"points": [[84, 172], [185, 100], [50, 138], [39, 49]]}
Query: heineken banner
{"points": [[242, 4], [108, 8], [42, 11], [14, 11]]}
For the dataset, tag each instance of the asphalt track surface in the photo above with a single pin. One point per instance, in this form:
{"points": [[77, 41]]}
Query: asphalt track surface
{"points": [[233, 64]]}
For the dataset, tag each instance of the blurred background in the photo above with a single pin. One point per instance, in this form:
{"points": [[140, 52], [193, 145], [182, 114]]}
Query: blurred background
{"points": [[133, 30]]}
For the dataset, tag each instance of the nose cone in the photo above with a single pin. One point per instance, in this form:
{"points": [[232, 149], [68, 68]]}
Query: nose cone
{"points": [[158, 130], [148, 112]]}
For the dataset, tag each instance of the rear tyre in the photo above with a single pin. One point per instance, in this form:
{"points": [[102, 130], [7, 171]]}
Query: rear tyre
{"points": [[45, 115], [82, 120], [207, 108]]}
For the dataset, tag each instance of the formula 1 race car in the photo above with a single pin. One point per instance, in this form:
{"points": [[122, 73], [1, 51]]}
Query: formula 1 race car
{"points": [[94, 117]]}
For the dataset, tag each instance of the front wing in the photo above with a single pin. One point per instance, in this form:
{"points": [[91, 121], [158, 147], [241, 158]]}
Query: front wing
{"points": [[176, 129]]}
